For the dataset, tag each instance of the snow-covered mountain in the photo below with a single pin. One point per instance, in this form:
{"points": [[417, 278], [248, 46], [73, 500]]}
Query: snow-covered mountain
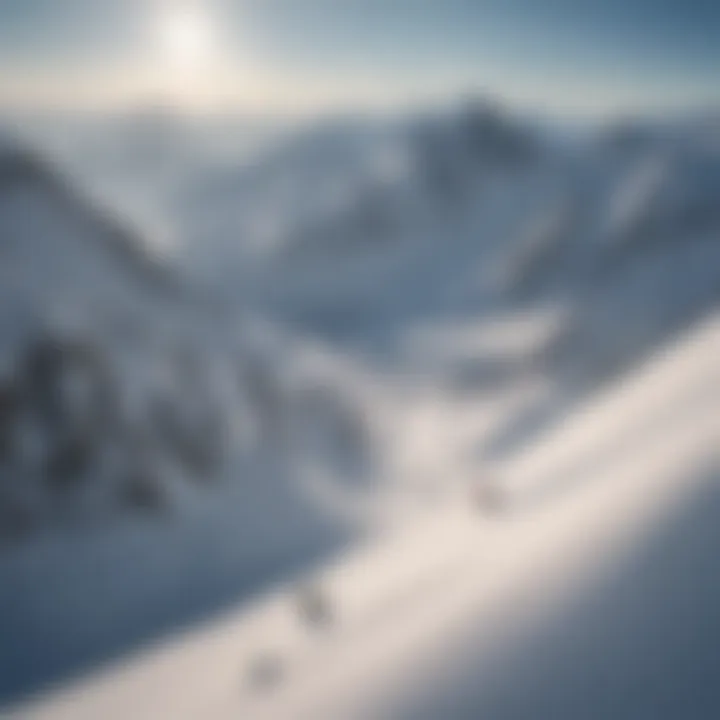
{"points": [[123, 388], [591, 593], [355, 328], [374, 235]]}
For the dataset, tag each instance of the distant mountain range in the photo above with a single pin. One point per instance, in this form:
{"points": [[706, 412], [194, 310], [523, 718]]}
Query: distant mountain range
{"points": [[130, 376]]}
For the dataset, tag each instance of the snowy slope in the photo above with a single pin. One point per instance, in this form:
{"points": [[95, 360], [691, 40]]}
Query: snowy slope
{"points": [[137, 161], [110, 357], [368, 328], [436, 621], [359, 234]]}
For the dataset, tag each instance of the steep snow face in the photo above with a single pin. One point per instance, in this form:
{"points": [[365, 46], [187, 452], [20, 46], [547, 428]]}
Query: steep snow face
{"points": [[158, 454], [78, 295], [59, 253], [138, 162], [122, 390], [266, 207], [339, 225], [599, 560], [360, 236]]}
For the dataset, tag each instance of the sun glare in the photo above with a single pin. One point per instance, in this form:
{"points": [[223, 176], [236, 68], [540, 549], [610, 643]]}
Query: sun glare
{"points": [[185, 35]]}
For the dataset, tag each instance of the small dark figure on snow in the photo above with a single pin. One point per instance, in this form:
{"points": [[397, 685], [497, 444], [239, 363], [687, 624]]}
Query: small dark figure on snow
{"points": [[265, 671], [314, 606], [491, 498]]}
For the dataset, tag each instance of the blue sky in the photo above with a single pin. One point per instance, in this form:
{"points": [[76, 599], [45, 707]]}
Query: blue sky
{"points": [[564, 54]]}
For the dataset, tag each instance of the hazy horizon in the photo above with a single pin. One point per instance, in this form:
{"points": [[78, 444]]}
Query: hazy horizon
{"points": [[314, 56]]}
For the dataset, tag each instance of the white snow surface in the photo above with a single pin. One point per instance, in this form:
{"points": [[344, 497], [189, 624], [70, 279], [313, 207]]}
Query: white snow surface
{"points": [[458, 376], [431, 621]]}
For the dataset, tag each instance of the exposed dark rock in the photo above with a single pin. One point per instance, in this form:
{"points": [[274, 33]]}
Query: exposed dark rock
{"points": [[196, 442], [69, 461], [142, 491], [48, 366], [10, 407], [16, 523], [491, 136]]}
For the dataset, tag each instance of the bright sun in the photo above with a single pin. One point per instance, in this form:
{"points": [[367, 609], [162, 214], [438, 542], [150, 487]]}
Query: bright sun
{"points": [[185, 35]]}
